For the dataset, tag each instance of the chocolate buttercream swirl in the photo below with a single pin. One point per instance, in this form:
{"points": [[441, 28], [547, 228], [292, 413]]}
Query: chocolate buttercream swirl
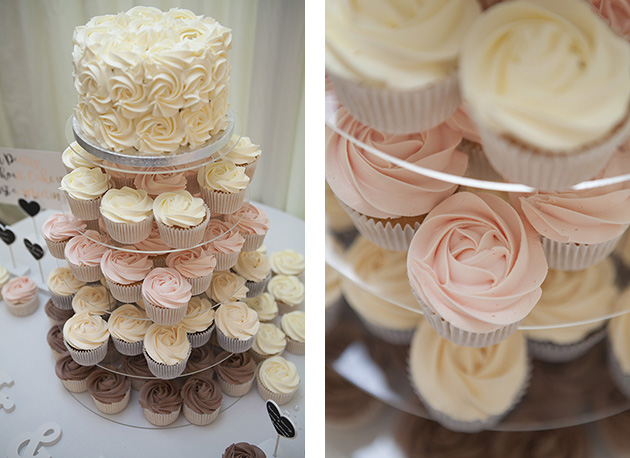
{"points": [[200, 358], [57, 314], [160, 396], [108, 387], [559, 443], [343, 399], [55, 339], [136, 366], [202, 394], [243, 450], [237, 369], [67, 369]]}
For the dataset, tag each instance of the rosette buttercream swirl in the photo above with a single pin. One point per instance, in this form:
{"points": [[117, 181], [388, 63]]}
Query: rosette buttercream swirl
{"points": [[202, 394], [167, 344], [223, 176], [293, 325], [192, 263], [252, 265], [243, 450], [84, 251], [287, 262], [221, 238], [236, 320], [286, 288], [166, 288], [59, 227], [179, 209], [74, 156], [270, 340], [249, 220], [125, 267], [227, 286], [85, 331], [235, 368], [160, 396], [126, 205], [128, 323], [20, 290], [67, 369], [108, 387], [279, 375], [93, 299], [264, 305], [244, 152], [61, 281], [199, 315], [85, 184], [157, 183]]}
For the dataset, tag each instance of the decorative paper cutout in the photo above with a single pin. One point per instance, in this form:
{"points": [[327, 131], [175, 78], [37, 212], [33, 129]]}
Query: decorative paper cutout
{"points": [[5, 401], [31, 208], [31, 445]]}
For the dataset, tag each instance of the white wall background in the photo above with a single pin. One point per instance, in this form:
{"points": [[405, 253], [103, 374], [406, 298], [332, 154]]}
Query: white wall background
{"points": [[266, 90]]}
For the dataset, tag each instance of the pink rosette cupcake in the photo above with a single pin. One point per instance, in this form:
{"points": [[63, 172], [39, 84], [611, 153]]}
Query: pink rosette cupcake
{"points": [[236, 325], [124, 273], [396, 69], [128, 214], [616, 13], [244, 154], [386, 202], [181, 218], [166, 294], [84, 188], [166, 179], [195, 265], [155, 247], [84, 253], [20, 295], [252, 223], [223, 186], [475, 269], [167, 350], [58, 230], [255, 269], [224, 242]]}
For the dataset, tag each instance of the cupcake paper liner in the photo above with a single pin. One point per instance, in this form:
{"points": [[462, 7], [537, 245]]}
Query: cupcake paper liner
{"points": [[295, 347], [390, 335], [266, 393], [159, 260], [199, 284], [125, 293], [399, 111], [199, 339], [574, 256], [225, 261], [114, 407], [25, 309], [259, 357], [256, 288], [178, 237], [166, 371], [121, 182], [86, 273], [223, 202], [62, 302], [561, 353], [84, 209], [127, 348], [620, 378], [233, 345], [199, 419], [87, 357], [129, 233], [161, 419], [234, 390], [250, 169], [56, 249], [253, 241], [163, 315], [76, 386], [547, 171]]}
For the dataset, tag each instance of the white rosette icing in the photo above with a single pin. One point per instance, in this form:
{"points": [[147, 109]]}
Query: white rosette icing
{"points": [[167, 344], [126, 205], [227, 286], [244, 152], [270, 340], [199, 315], [293, 326], [237, 321], [129, 323], [278, 379], [85, 331], [265, 305], [252, 265], [223, 176], [179, 209], [286, 289], [85, 183], [93, 299], [74, 156], [287, 262], [62, 282]]}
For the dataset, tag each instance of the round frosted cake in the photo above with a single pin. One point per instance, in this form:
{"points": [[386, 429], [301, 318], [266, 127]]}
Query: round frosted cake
{"points": [[150, 80]]}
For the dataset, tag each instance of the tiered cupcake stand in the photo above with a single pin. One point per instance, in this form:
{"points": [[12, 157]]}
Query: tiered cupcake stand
{"points": [[559, 395]]}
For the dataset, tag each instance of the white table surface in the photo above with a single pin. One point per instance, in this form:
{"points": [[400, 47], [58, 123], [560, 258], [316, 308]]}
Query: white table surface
{"points": [[39, 397]]}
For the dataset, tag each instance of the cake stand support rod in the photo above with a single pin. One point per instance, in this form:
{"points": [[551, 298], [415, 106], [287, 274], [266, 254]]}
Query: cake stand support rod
{"points": [[35, 228], [275, 451], [12, 257], [41, 272]]}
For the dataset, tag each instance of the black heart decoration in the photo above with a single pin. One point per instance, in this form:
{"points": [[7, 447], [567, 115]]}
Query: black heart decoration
{"points": [[32, 207], [7, 235], [282, 424], [35, 249]]}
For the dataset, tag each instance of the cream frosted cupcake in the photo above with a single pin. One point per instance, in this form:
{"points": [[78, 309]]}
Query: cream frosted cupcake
{"points": [[124, 272], [237, 326], [166, 294], [94, 299], [20, 295], [294, 328], [467, 389], [236, 373], [287, 262], [58, 230], [252, 223], [227, 286], [74, 156], [277, 379], [264, 305], [386, 78], [85, 336], [181, 218], [255, 268], [155, 247], [199, 321], [244, 154], [202, 400], [166, 349], [270, 341], [127, 326], [110, 391], [223, 186], [63, 285], [166, 179], [4, 278], [84, 187], [128, 214], [195, 265], [584, 295], [72, 375], [84, 253], [288, 292], [550, 114], [224, 242], [161, 401], [619, 346]]}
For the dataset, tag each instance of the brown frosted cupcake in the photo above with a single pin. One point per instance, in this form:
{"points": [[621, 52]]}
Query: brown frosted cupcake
{"points": [[200, 360], [56, 315], [161, 401], [72, 375], [55, 341], [571, 442], [137, 370], [110, 391], [346, 405], [202, 400], [236, 374], [243, 450]]}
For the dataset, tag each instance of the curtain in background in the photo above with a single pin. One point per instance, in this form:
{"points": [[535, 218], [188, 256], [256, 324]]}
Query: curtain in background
{"points": [[37, 95]]}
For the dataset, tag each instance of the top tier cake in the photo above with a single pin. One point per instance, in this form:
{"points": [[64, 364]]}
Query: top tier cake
{"points": [[151, 80]]}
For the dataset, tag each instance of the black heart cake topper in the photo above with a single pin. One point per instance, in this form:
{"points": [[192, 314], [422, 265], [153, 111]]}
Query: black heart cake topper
{"points": [[6, 235], [282, 424], [32, 208], [35, 249]]}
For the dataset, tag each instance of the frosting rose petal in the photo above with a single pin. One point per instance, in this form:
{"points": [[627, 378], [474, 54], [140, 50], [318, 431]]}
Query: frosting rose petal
{"points": [[223, 176], [85, 184], [157, 183], [19, 290], [252, 265], [193, 263], [93, 299], [616, 13], [293, 325], [167, 344], [126, 205], [227, 286], [236, 320], [179, 209], [264, 305], [279, 375], [199, 315], [270, 340], [249, 220], [222, 238], [286, 288], [61, 281], [125, 267], [59, 228], [166, 288], [244, 152], [84, 251], [287, 262], [128, 323], [85, 331]]}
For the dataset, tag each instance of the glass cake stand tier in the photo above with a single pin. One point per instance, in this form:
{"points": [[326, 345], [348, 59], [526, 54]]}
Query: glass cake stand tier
{"points": [[558, 396]]}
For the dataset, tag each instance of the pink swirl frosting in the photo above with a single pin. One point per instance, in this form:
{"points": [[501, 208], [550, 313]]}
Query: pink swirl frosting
{"points": [[153, 242], [379, 189], [157, 183], [249, 220], [125, 267], [84, 251], [461, 122], [475, 263], [192, 263], [166, 288], [616, 13], [19, 290], [58, 228], [223, 239]]}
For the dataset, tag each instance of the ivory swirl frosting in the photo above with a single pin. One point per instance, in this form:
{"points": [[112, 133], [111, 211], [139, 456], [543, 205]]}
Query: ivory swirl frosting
{"points": [[252, 265], [236, 320], [179, 209], [126, 205], [59, 227], [550, 74], [244, 152], [227, 286], [93, 299], [85, 331], [192, 263], [475, 264], [128, 323], [199, 315], [380, 189], [74, 156], [270, 340], [223, 176], [287, 262], [19, 290], [62, 282], [293, 325], [287, 289], [166, 288], [85, 184], [125, 267], [85, 250], [279, 375], [397, 44], [167, 344], [264, 305]]}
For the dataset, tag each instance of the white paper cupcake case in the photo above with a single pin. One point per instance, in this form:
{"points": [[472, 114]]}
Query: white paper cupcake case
{"points": [[252, 241], [223, 202], [161, 419], [86, 273], [225, 261], [87, 357], [199, 419], [399, 111], [163, 315], [250, 169], [76, 386], [127, 348], [129, 233], [166, 371], [393, 238], [561, 353], [84, 209], [266, 393], [125, 293], [389, 335], [62, 302], [199, 284], [256, 288], [620, 378], [25, 309], [114, 407], [199, 339], [233, 390], [234, 345], [573, 256], [177, 237], [56, 249], [548, 172], [295, 347]]}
